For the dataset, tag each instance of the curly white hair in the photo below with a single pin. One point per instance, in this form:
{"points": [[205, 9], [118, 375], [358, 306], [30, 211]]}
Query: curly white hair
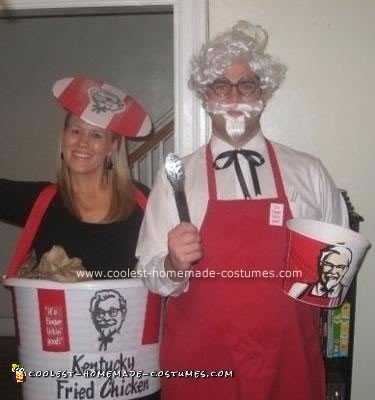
{"points": [[245, 42]]}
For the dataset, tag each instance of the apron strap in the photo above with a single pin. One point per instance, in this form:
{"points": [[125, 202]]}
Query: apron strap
{"points": [[29, 231], [140, 198]]}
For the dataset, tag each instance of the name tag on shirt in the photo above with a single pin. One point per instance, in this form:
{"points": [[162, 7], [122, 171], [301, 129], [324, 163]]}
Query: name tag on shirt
{"points": [[276, 214]]}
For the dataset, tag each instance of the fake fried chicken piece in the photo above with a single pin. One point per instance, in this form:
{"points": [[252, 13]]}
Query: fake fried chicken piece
{"points": [[55, 265]]}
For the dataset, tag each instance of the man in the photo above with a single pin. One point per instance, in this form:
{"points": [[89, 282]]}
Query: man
{"points": [[333, 265], [241, 189], [108, 311], [334, 262]]}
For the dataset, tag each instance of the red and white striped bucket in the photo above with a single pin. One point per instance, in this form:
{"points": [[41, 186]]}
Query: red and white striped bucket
{"points": [[68, 332], [322, 261]]}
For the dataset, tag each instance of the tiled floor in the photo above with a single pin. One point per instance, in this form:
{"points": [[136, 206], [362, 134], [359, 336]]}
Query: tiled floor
{"points": [[9, 389]]}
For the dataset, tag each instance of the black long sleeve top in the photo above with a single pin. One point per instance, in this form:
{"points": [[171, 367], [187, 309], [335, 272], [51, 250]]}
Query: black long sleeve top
{"points": [[101, 247]]}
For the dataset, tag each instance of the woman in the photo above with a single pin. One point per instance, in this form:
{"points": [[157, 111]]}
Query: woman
{"points": [[96, 212]]}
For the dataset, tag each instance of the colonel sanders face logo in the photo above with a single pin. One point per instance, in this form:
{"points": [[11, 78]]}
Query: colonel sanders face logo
{"points": [[334, 264], [108, 311], [105, 101]]}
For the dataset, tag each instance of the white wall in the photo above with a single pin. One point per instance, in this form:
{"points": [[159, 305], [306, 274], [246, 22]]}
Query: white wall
{"points": [[134, 52], [326, 107]]}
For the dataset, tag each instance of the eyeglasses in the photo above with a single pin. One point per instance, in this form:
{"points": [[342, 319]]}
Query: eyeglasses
{"points": [[112, 312], [245, 86], [332, 266]]}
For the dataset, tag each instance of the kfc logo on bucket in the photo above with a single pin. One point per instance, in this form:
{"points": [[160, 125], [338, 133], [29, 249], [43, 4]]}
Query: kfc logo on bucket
{"points": [[327, 256], [108, 312]]}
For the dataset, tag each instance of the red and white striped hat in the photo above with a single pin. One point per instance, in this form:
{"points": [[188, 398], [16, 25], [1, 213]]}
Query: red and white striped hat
{"points": [[103, 105]]}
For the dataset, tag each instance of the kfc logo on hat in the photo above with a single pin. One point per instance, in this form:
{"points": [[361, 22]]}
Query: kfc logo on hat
{"points": [[105, 101], [103, 105]]}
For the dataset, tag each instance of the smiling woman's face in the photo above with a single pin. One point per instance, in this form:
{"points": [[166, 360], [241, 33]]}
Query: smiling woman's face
{"points": [[85, 147]]}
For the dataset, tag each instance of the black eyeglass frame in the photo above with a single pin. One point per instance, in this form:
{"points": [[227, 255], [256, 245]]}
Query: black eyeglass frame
{"points": [[240, 85]]}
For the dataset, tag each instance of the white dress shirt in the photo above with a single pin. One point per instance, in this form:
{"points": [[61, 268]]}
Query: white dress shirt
{"points": [[309, 188]]}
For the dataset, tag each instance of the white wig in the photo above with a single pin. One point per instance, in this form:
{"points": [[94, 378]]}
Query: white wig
{"points": [[337, 249], [243, 43]]}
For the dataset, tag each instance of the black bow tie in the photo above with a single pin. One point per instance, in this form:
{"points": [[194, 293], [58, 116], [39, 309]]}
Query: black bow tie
{"points": [[104, 340], [254, 159], [326, 292]]}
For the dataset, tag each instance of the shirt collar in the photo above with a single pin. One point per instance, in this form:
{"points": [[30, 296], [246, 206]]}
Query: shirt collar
{"points": [[257, 143], [319, 290]]}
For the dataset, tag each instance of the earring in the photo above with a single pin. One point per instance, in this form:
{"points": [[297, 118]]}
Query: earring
{"points": [[109, 163], [62, 156]]}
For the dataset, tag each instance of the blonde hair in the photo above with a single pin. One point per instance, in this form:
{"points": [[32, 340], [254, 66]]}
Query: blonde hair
{"points": [[118, 178]]}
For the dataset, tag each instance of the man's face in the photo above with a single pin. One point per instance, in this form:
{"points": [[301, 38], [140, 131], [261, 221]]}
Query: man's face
{"points": [[108, 316], [244, 126], [333, 268]]}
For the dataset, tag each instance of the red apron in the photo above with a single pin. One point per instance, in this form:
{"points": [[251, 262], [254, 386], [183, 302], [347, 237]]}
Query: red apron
{"points": [[247, 325]]}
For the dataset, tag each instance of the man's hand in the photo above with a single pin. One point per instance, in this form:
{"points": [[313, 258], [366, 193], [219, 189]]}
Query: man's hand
{"points": [[185, 248]]}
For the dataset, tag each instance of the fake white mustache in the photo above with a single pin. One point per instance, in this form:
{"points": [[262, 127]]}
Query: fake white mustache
{"points": [[251, 109], [235, 125]]}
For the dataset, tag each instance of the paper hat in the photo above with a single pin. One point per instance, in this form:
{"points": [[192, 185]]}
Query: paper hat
{"points": [[103, 105]]}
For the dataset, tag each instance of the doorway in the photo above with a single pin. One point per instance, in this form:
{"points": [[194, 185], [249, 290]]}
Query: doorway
{"points": [[28, 91]]}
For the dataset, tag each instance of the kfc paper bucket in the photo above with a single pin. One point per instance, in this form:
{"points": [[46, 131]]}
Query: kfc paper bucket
{"points": [[86, 340], [322, 261]]}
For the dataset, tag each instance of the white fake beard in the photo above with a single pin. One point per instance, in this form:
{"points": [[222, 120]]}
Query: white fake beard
{"points": [[235, 126]]}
